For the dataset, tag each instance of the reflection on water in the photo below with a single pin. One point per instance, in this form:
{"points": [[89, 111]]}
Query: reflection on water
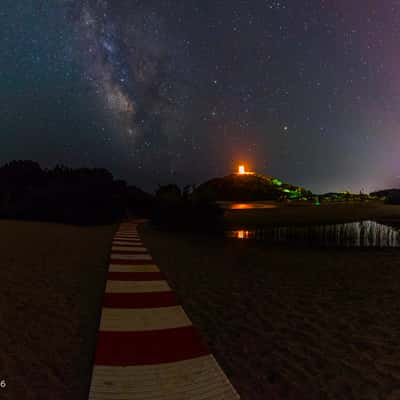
{"points": [[355, 234], [247, 206], [242, 234], [240, 206]]}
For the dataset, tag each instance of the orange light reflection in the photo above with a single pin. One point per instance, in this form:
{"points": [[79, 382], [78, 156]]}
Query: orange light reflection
{"points": [[242, 206], [242, 234]]}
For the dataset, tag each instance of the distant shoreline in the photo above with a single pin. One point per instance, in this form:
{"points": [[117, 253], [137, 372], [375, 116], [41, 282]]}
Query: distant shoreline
{"points": [[307, 214]]}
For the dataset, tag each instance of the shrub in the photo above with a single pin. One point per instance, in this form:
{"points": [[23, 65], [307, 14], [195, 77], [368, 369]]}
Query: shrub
{"points": [[179, 211]]}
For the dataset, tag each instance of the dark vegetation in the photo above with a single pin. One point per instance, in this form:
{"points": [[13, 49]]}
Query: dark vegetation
{"points": [[194, 208], [92, 196], [74, 196], [391, 196], [339, 197], [183, 210], [250, 188], [138, 202]]}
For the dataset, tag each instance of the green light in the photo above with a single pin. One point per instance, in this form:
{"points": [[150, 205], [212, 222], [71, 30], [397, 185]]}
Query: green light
{"points": [[277, 182]]}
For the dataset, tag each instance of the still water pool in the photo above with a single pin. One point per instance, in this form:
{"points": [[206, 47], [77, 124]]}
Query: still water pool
{"points": [[354, 234]]}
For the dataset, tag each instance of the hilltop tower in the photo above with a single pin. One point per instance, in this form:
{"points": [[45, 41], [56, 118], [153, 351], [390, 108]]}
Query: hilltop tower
{"points": [[242, 171]]}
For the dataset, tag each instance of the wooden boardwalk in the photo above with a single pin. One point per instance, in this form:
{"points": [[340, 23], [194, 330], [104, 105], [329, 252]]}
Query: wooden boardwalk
{"points": [[147, 348]]}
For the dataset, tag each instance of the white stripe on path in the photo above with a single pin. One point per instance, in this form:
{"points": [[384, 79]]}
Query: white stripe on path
{"points": [[116, 257], [128, 248], [146, 319], [136, 286], [200, 378], [126, 237], [133, 268], [127, 242]]}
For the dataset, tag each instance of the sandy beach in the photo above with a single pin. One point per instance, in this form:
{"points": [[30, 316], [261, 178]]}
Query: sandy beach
{"points": [[290, 323], [51, 283], [283, 322]]}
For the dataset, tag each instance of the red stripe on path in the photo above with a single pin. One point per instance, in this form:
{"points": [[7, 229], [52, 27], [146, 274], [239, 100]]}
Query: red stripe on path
{"points": [[131, 262], [140, 300], [125, 242], [129, 252], [149, 347], [135, 276], [127, 239], [126, 236]]}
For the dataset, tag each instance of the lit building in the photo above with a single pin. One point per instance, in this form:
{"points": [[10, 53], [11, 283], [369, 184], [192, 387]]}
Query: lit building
{"points": [[242, 171]]}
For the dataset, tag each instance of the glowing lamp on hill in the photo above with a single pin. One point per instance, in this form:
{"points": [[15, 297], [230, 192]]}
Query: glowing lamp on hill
{"points": [[242, 171]]}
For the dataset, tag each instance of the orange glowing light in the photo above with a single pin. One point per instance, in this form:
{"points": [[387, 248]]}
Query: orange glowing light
{"points": [[241, 206], [242, 171], [242, 234]]}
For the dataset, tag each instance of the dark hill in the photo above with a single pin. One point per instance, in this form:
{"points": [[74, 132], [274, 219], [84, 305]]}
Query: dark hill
{"points": [[249, 188], [391, 196], [386, 192]]}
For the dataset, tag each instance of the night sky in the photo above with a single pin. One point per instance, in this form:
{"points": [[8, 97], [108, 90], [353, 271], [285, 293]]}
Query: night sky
{"points": [[180, 91]]}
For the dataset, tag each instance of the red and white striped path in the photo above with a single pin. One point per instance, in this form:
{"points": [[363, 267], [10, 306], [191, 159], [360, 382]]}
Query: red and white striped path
{"points": [[147, 348]]}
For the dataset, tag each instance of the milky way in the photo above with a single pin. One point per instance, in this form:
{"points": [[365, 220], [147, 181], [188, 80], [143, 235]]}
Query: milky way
{"points": [[162, 91], [128, 62]]}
